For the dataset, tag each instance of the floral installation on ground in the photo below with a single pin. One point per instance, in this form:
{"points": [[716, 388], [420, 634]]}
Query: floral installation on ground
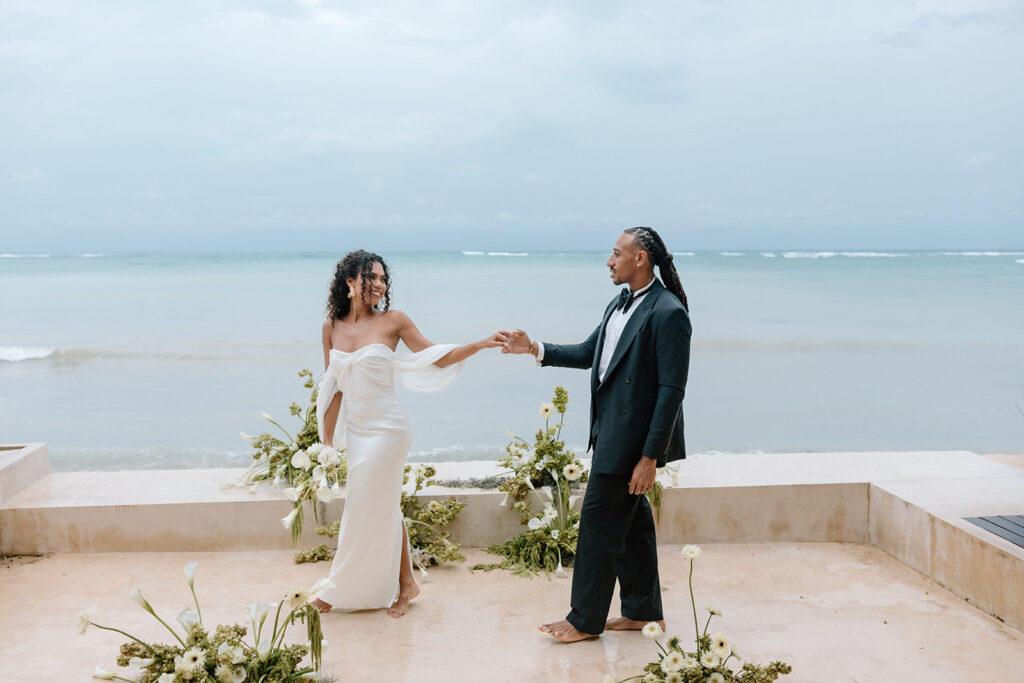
{"points": [[224, 656], [426, 523], [545, 473], [713, 661], [312, 471]]}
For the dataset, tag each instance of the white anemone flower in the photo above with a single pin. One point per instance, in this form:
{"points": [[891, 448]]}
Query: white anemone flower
{"points": [[690, 552], [296, 598], [83, 622], [102, 674], [709, 660], [546, 410], [190, 572], [673, 661], [300, 460], [572, 472], [652, 629], [289, 519], [187, 618], [720, 646], [323, 494]]}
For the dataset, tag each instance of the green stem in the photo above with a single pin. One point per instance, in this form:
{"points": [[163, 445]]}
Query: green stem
{"points": [[273, 634], [196, 601], [173, 633], [706, 624], [274, 422], [693, 604], [117, 630]]}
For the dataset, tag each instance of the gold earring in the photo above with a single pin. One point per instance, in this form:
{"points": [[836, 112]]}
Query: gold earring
{"points": [[351, 293]]}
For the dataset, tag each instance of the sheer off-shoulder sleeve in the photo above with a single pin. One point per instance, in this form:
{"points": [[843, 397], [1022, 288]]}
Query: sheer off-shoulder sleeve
{"points": [[416, 371], [326, 390]]}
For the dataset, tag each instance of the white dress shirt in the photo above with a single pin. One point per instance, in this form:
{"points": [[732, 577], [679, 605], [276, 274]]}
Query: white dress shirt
{"points": [[612, 331]]}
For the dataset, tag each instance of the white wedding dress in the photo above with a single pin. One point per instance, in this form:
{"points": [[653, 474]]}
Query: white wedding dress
{"points": [[374, 429]]}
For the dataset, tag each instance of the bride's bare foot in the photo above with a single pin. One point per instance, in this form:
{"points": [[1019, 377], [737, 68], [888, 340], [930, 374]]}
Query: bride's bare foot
{"points": [[405, 595], [624, 624], [321, 606], [565, 632]]}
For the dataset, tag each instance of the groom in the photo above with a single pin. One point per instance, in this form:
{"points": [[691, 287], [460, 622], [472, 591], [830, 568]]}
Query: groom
{"points": [[639, 357]]}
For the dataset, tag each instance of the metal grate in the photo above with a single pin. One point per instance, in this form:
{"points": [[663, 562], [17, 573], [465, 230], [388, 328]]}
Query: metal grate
{"points": [[1009, 527]]}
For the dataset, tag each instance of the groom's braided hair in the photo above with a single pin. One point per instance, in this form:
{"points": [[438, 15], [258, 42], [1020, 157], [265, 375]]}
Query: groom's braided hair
{"points": [[651, 242], [354, 264]]}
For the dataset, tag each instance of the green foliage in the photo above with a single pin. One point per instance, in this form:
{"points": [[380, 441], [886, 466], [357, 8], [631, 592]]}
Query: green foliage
{"points": [[545, 473]]}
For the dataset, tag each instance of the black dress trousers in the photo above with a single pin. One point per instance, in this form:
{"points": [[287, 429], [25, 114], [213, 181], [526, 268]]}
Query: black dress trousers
{"points": [[616, 542]]}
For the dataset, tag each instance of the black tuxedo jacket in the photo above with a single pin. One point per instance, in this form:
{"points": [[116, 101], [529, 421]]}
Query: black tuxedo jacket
{"points": [[638, 408]]}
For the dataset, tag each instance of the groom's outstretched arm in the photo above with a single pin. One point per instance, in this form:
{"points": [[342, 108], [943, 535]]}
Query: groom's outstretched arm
{"points": [[561, 355]]}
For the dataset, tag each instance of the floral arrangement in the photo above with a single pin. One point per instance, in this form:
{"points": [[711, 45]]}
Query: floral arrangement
{"points": [[314, 472], [546, 473], [710, 662], [427, 524], [224, 656]]}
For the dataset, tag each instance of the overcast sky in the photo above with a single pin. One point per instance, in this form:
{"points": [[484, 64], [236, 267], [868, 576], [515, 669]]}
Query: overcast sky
{"points": [[207, 125]]}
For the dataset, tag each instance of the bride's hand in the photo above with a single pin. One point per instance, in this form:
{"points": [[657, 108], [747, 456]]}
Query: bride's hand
{"points": [[517, 342], [496, 340]]}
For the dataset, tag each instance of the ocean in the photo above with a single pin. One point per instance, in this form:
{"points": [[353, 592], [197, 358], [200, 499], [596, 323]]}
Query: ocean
{"points": [[128, 361]]}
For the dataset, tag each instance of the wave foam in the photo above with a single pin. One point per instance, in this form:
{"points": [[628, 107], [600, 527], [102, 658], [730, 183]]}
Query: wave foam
{"points": [[871, 254], [508, 253], [682, 253], [24, 256], [17, 354], [472, 253], [730, 253], [808, 254]]}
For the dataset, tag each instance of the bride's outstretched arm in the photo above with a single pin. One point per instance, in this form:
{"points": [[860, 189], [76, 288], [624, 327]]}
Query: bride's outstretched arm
{"points": [[414, 339]]}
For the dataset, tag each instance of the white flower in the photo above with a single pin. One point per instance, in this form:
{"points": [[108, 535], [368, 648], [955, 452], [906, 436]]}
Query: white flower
{"points": [[193, 661], [263, 649], [301, 460], [292, 494], [673, 661], [319, 472], [608, 678], [652, 629], [713, 612], [709, 660], [316, 448], [535, 523], [190, 573], [554, 534], [83, 623], [247, 437], [433, 506], [310, 676], [546, 410], [100, 673], [296, 598], [287, 521], [690, 552], [716, 678], [560, 570], [674, 677], [228, 654], [137, 597], [690, 663], [266, 416], [186, 618], [165, 678], [258, 611], [539, 466], [323, 494], [140, 663], [720, 646], [650, 678], [572, 472], [225, 674]]}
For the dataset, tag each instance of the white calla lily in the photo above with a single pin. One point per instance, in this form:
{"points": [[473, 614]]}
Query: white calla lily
{"points": [[102, 674], [301, 460], [140, 663], [323, 494], [247, 437], [136, 596], [187, 618], [190, 572], [289, 519], [292, 494]]}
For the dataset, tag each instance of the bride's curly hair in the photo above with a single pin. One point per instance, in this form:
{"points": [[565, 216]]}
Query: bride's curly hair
{"points": [[354, 264]]}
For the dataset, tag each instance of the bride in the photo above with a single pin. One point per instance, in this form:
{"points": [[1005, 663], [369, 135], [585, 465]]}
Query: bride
{"points": [[357, 410]]}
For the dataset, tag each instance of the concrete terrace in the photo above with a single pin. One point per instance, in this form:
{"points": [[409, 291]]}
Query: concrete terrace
{"points": [[850, 566]]}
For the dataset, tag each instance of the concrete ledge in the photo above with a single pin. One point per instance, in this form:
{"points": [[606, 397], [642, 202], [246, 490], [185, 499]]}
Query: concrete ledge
{"points": [[21, 466]]}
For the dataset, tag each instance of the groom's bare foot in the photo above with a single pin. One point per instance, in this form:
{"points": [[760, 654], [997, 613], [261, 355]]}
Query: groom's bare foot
{"points": [[565, 632], [405, 596], [624, 624], [321, 606]]}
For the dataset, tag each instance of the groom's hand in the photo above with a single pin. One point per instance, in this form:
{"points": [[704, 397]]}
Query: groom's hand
{"points": [[643, 477], [517, 342]]}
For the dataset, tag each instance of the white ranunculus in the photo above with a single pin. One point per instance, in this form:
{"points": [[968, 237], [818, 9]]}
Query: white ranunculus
{"points": [[292, 494], [690, 552], [316, 448], [186, 618], [190, 572], [289, 519], [83, 623], [139, 662], [102, 674], [652, 629], [323, 494], [300, 460]]}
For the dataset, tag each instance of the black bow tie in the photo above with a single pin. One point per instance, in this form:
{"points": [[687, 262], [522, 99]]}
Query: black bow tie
{"points": [[626, 299]]}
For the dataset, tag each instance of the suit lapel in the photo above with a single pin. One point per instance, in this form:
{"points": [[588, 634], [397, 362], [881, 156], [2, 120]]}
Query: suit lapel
{"points": [[633, 325], [600, 345]]}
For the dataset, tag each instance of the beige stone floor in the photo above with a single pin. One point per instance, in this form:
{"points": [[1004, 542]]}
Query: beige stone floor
{"points": [[836, 612]]}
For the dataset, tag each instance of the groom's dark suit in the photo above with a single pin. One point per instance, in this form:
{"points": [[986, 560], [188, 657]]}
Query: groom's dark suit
{"points": [[635, 410]]}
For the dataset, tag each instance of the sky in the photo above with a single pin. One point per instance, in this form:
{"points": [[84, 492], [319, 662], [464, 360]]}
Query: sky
{"points": [[221, 125]]}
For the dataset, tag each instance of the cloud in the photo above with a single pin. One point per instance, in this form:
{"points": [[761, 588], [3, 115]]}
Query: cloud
{"points": [[27, 176]]}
